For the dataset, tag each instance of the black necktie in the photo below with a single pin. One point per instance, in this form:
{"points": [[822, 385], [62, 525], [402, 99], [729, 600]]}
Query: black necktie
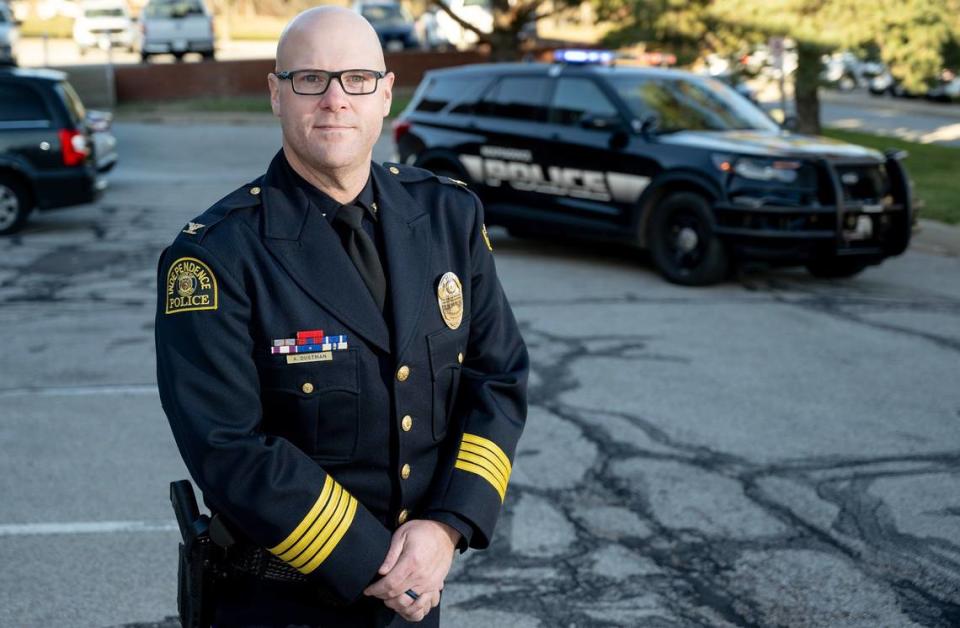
{"points": [[362, 251]]}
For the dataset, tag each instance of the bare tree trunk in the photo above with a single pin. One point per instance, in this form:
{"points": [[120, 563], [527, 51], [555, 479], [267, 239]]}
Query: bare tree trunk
{"points": [[807, 80]]}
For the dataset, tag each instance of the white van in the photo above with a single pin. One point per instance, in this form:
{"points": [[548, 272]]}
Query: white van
{"points": [[103, 24], [176, 27]]}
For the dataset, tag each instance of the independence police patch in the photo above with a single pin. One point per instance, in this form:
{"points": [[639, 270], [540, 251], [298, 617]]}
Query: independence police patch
{"points": [[191, 286]]}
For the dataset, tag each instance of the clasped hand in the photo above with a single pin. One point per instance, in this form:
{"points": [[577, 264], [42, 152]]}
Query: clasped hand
{"points": [[418, 560]]}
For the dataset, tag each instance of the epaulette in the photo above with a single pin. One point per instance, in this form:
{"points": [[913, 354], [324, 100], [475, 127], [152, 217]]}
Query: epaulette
{"points": [[245, 196], [412, 174]]}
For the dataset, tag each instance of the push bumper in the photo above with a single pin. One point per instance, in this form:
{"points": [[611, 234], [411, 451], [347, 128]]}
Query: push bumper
{"points": [[841, 227]]}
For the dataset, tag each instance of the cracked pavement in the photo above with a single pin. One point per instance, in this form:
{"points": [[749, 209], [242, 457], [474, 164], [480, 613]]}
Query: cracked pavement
{"points": [[774, 451]]}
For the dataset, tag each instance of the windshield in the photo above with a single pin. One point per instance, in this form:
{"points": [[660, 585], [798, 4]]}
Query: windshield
{"points": [[383, 14], [174, 9], [687, 104], [117, 12]]}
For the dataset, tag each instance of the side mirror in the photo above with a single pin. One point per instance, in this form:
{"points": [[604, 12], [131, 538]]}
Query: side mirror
{"points": [[790, 123], [649, 126]]}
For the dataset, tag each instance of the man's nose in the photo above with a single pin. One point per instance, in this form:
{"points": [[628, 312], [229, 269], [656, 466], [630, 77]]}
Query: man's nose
{"points": [[334, 98]]}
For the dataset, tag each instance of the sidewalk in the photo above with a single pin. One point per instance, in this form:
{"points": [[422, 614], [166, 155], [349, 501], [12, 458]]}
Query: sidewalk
{"points": [[936, 238]]}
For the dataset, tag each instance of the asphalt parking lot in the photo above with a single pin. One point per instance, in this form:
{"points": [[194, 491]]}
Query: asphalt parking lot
{"points": [[773, 451]]}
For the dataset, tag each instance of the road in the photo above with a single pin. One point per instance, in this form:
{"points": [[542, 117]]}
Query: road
{"points": [[775, 450], [913, 120]]}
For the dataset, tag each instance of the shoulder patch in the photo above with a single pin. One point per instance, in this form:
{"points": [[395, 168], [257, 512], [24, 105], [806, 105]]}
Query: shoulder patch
{"points": [[191, 286]]}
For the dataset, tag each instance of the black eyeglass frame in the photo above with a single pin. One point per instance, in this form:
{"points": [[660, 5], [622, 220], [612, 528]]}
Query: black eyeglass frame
{"points": [[288, 75]]}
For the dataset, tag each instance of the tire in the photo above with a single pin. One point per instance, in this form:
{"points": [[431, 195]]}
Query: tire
{"points": [[15, 205], [144, 57], [834, 268], [682, 242], [178, 56], [208, 56]]}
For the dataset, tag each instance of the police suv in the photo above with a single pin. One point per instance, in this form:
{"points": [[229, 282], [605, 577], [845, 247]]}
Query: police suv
{"points": [[677, 163]]}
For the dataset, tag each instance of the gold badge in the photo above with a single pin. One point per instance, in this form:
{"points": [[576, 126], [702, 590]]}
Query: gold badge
{"points": [[193, 228], [191, 286], [450, 298], [486, 238]]}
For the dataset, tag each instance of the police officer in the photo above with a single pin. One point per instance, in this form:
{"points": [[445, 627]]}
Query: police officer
{"points": [[338, 363]]}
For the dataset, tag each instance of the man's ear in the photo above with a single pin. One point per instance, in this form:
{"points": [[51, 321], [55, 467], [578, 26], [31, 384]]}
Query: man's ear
{"points": [[387, 86], [274, 84]]}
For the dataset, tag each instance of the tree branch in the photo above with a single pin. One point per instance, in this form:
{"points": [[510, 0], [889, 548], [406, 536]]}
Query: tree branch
{"points": [[483, 37]]}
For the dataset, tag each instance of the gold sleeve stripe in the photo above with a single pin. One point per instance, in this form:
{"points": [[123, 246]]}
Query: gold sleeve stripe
{"points": [[486, 455], [334, 539], [490, 445], [308, 520], [480, 461], [316, 529], [485, 474], [329, 527]]}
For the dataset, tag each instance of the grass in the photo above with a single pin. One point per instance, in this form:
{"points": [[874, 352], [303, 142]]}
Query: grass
{"points": [[934, 170], [237, 104]]}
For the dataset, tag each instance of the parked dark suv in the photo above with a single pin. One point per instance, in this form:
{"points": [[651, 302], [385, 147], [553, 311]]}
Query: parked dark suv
{"points": [[675, 162], [47, 139]]}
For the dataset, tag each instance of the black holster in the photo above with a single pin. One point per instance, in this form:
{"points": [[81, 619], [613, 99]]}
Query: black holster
{"points": [[200, 566]]}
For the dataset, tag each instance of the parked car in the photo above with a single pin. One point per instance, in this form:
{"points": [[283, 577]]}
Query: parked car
{"points": [[667, 160], [53, 153], [176, 27], [9, 36], [846, 71], [393, 24], [103, 24]]}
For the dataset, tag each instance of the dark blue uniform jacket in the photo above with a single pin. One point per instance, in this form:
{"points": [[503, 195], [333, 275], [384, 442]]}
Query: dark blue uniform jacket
{"points": [[320, 460]]}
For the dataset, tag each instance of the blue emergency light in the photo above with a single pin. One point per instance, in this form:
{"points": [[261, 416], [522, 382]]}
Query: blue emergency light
{"points": [[579, 56]]}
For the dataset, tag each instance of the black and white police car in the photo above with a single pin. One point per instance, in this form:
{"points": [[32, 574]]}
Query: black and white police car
{"points": [[678, 163]]}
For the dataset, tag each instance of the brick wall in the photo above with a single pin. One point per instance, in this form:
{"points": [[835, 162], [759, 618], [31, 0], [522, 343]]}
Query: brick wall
{"points": [[223, 79]]}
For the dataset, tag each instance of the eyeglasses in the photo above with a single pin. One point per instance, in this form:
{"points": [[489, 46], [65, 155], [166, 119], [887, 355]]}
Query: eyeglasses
{"points": [[316, 82]]}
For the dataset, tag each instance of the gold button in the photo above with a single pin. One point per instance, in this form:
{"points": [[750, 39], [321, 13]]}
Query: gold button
{"points": [[254, 190], [307, 388], [402, 517], [403, 373], [460, 358], [407, 423], [405, 471], [394, 170]]}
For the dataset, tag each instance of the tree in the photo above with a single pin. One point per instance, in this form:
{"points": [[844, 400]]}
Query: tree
{"points": [[915, 38], [509, 19]]}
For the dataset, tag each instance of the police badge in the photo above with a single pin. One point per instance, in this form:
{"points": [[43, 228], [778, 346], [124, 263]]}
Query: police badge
{"points": [[450, 298]]}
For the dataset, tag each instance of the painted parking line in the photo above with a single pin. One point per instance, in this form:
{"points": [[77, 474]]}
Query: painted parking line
{"points": [[85, 527]]}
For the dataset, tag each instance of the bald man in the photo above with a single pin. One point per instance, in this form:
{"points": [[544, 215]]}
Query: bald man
{"points": [[339, 365]]}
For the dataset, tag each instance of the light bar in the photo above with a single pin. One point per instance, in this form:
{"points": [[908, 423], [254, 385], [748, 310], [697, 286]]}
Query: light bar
{"points": [[573, 55]]}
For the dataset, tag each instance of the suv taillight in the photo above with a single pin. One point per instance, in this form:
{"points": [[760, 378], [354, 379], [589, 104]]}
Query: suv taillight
{"points": [[73, 146], [400, 128]]}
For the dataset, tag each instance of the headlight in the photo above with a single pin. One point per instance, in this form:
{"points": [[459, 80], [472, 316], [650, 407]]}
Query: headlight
{"points": [[780, 170]]}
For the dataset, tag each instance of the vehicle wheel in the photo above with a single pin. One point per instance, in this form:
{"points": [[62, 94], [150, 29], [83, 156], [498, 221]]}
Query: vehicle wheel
{"points": [[15, 205], [208, 56], [178, 56], [144, 57], [682, 242], [834, 268]]}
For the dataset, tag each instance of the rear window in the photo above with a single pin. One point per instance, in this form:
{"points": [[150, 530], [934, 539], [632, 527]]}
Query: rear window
{"points": [[114, 12], [462, 92], [19, 103], [517, 98], [174, 9], [74, 104]]}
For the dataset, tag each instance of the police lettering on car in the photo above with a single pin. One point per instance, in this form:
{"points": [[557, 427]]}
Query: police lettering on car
{"points": [[678, 163]]}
